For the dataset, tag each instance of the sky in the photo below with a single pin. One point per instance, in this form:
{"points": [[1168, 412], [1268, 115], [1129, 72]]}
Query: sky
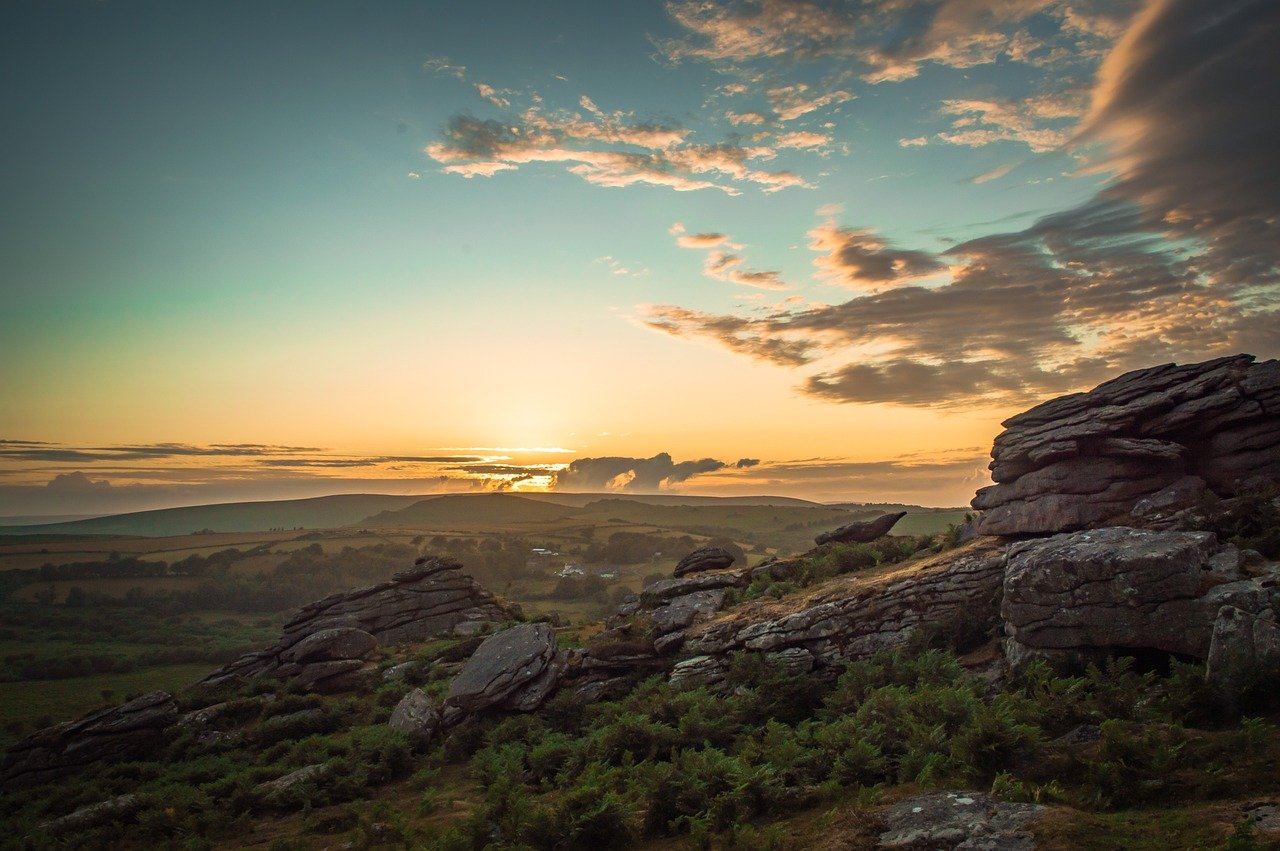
{"points": [[282, 249]]}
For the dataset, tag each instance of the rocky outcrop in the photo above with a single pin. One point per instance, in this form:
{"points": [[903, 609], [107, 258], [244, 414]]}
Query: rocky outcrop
{"points": [[959, 821], [1075, 595], [1161, 436], [863, 532], [707, 558], [113, 809], [121, 733], [1243, 652], [285, 792], [852, 619], [326, 646], [517, 670], [416, 716]]}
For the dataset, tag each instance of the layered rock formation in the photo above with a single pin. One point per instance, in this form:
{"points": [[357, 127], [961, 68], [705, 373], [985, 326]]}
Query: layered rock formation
{"points": [[1161, 435], [854, 618], [121, 733], [1076, 595], [327, 645]]}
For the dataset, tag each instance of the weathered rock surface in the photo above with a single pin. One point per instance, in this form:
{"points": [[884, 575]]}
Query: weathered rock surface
{"points": [[416, 716], [707, 558], [863, 532], [1244, 648], [112, 809], [959, 821], [283, 791], [325, 647], [1074, 595], [517, 669], [855, 618], [123, 732], [1089, 459]]}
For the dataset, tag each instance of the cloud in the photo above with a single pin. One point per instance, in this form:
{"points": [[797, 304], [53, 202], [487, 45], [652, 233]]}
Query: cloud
{"points": [[442, 65], [40, 451], [743, 463], [744, 31], [917, 142], [77, 483], [791, 102], [856, 257], [721, 263], [1043, 123], [631, 474], [606, 149], [1177, 259], [995, 173], [802, 139], [492, 95], [739, 118]]}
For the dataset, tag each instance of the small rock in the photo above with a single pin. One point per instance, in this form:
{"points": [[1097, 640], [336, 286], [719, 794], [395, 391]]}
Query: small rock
{"points": [[707, 558], [282, 791], [416, 716]]}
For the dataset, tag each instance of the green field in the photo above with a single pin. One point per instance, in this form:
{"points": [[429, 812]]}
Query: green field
{"points": [[26, 704]]}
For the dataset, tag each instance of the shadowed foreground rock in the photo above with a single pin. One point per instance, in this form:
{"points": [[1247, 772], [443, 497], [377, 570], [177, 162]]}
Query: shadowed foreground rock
{"points": [[1078, 594], [1164, 435], [517, 669], [707, 558], [327, 645], [861, 533], [124, 732]]}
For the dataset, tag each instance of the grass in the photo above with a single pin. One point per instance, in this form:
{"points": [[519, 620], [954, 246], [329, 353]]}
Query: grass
{"points": [[64, 700]]}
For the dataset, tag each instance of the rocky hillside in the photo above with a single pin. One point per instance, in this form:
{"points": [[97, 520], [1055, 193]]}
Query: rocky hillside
{"points": [[1089, 649]]}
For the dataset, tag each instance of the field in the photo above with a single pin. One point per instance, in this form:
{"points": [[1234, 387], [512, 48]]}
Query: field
{"points": [[85, 615]]}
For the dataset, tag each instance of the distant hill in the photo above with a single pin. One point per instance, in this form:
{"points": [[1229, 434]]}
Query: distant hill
{"points": [[469, 508], [322, 512], [581, 500]]}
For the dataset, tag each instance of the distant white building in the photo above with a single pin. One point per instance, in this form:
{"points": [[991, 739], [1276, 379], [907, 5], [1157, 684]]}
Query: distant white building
{"points": [[570, 570]]}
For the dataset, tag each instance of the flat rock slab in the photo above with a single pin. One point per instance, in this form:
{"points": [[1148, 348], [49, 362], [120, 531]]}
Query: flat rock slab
{"points": [[863, 532], [959, 821], [1104, 589], [503, 666]]}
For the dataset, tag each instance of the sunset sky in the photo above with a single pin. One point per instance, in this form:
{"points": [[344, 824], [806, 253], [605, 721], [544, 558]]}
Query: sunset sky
{"points": [[279, 249]]}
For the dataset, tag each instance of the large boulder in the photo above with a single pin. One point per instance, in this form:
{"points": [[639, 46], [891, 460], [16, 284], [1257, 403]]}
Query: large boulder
{"points": [[1077, 595], [517, 669], [1153, 440], [325, 648], [121, 733], [863, 532], [707, 558]]}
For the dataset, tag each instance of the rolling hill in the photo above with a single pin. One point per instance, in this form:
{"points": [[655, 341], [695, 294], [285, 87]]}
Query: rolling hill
{"points": [[324, 512]]}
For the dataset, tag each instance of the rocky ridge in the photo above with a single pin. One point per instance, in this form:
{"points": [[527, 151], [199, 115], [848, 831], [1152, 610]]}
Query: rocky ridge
{"points": [[1155, 439], [327, 646]]}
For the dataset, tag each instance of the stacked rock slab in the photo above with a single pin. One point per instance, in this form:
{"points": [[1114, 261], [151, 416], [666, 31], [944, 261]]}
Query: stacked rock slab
{"points": [[1162, 435], [1077, 595], [121, 733], [515, 670], [854, 621], [706, 558], [327, 645]]}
